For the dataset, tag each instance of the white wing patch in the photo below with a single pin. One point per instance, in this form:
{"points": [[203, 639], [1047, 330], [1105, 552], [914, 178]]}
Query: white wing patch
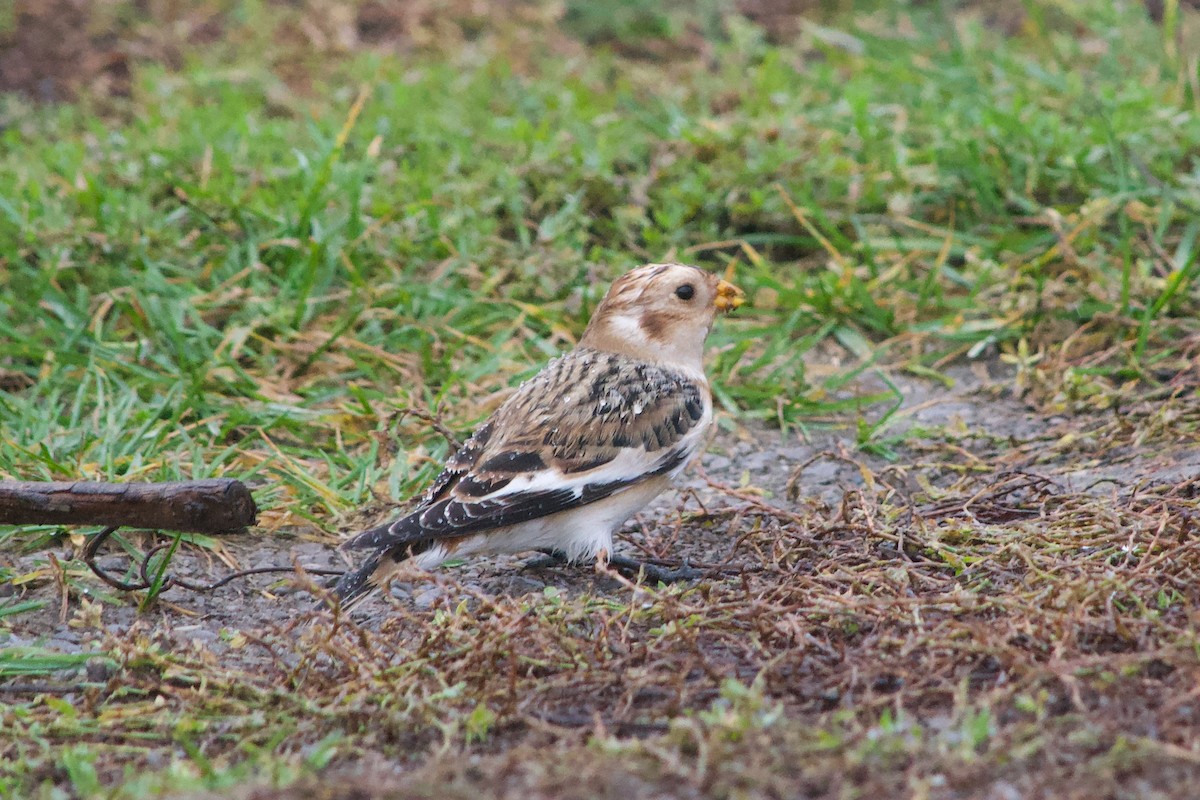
{"points": [[630, 464]]}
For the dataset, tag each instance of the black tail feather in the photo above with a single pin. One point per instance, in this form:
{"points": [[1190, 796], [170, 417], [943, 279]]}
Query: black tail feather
{"points": [[360, 583]]}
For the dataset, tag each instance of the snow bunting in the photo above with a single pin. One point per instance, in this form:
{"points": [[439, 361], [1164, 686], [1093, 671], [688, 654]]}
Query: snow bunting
{"points": [[580, 447]]}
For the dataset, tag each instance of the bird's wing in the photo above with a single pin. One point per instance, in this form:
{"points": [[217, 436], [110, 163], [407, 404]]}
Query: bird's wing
{"points": [[587, 426]]}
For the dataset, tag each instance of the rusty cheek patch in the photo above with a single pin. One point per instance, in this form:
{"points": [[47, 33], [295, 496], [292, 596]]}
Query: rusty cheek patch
{"points": [[655, 325]]}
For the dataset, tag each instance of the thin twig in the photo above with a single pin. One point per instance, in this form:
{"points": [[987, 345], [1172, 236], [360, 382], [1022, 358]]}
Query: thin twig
{"points": [[145, 580]]}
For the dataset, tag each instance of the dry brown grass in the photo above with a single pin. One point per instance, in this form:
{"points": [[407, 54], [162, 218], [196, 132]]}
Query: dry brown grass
{"points": [[1011, 633]]}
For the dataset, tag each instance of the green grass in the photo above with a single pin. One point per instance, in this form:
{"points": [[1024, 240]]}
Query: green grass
{"points": [[237, 272], [224, 287], [34, 661]]}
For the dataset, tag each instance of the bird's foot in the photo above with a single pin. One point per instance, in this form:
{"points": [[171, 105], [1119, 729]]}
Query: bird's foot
{"points": [[549, 558], [653, 573], [623, 565]]}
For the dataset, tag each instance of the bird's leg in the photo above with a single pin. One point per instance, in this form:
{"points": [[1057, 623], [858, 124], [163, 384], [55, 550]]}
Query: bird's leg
{"points": [[629, 567], [550, 558], [632, 568]]}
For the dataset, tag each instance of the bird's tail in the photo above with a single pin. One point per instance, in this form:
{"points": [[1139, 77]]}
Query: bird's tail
{"points": [[360, 583]]}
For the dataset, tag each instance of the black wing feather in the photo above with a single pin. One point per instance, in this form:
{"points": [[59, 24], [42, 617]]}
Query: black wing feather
{"points": [[450, 518]]}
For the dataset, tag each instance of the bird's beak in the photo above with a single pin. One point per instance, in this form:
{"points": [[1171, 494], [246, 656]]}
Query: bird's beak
{"points": [[728, 297]]}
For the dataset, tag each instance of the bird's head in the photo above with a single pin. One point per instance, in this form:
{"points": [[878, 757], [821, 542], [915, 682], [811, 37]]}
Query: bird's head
{"points": [[661, 313]]}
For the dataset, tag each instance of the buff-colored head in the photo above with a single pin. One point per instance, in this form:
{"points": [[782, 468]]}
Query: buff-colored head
{"points": [[661, 313]]}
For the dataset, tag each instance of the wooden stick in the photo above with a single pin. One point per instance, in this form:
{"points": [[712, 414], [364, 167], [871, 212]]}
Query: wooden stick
{"points": [[208, 506]]}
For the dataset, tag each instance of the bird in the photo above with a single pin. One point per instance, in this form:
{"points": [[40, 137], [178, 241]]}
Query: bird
{"points": [[577, 449]]}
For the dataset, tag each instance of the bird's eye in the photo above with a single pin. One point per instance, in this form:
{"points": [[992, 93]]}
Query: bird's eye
{"points": [[685, 291]]}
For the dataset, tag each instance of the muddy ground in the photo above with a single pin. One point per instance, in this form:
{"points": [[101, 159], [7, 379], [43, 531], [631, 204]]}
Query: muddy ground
{"points": [[1002, 555]]}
